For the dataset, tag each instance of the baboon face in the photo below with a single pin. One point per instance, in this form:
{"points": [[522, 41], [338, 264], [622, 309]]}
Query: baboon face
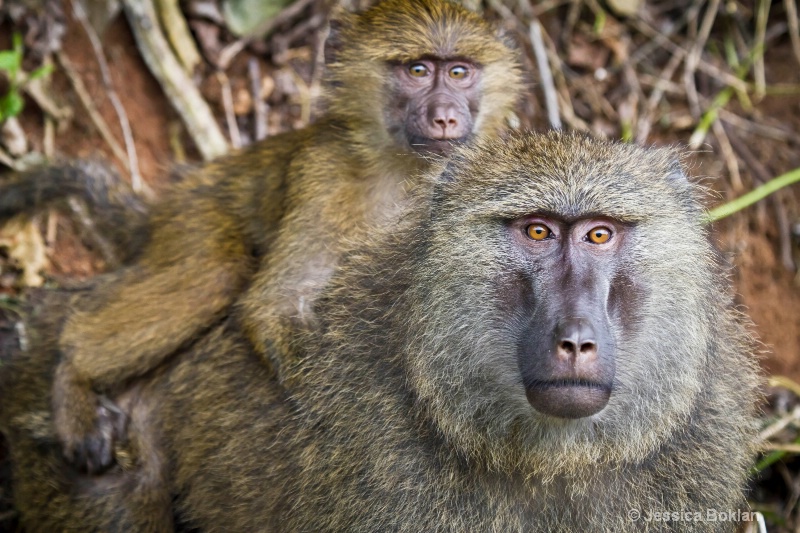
{"points": [[421, 75], [562, 298], [566, 348], [434, 103]]}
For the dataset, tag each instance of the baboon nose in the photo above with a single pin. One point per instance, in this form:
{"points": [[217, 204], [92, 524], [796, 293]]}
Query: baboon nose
{"points": [[576, 341], [444, 123], [448, 124]]}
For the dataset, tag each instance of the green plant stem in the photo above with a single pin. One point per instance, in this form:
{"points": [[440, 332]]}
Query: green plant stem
{"points": [[721, 100], [759, 193]]}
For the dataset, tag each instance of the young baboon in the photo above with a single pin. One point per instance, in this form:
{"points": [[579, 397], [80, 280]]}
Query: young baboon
{"points": [[545, 343], [411, 79]]}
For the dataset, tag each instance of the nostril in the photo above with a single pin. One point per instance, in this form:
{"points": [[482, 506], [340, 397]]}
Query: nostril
{"points": [[446, 122], [568, 347], [588, 347], [567, 350]]}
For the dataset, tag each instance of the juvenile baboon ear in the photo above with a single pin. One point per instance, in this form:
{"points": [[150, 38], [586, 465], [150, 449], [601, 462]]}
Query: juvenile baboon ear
{"points": [[506, 36], [340, 19]]}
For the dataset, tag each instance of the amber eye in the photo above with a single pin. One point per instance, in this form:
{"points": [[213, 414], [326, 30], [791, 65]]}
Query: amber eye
{"points": [[599, 235], [458, 72], [418, 70], [538, 232]]}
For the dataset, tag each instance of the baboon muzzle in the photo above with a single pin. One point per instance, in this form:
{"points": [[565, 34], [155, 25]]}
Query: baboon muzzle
{"points": [[568, 367]]}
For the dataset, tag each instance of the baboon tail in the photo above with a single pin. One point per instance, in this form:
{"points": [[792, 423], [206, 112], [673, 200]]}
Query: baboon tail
{"points": [[107, 206]]}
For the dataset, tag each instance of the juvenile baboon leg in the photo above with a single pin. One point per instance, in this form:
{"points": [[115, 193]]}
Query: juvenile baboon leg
{"points": [[274, 324], [146, 311]]}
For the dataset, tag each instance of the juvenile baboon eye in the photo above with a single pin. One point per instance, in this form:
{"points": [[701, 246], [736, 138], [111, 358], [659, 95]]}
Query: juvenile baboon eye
{"points": [[538, 232], [459, 72], [418, 70], [599, 235]]}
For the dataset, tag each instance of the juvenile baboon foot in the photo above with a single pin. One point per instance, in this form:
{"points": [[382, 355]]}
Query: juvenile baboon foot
{"points": [[88, 425]]}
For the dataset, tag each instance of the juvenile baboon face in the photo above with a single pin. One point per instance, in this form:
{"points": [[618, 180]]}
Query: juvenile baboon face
{"points": [[434, 103], [564, 300], [421, 76]]}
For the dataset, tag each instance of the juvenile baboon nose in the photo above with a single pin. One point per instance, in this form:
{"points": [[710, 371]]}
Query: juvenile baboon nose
{"points": [[576, 341], [444, 122]]}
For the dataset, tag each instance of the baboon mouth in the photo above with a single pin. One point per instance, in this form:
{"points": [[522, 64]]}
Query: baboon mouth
{"points": [[437, 146], [556, 383], [568, 398]]}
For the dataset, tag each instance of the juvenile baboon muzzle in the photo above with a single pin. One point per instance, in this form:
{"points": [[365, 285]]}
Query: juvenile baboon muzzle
{"points": [[440, 123]]}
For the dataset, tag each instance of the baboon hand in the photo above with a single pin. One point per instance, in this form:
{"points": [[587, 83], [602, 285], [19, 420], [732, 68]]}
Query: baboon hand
{"points": [[88, 425]]}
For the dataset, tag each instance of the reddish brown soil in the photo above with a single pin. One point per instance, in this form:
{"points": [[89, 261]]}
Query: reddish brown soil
{"points": [[769, 291], [148, 111]]}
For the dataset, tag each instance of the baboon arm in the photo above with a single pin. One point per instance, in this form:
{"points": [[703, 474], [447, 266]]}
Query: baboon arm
{"points": [[279, 302]]}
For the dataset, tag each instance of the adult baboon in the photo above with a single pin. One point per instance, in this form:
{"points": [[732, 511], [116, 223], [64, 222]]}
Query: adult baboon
{"points": [[546, 343]]}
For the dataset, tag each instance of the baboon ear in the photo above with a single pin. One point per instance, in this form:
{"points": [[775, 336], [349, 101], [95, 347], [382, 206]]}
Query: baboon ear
{"points": [[677, 177], [340, 20], [679, 181], [505, 36]]}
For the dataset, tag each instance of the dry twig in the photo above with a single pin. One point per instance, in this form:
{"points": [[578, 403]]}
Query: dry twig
{"points": [[227, 106], [646, 118], [545, 74], [759, 69], [260, 129], [794, 27], [119, 109], [693, 57], [178, 34], [729, 155]]}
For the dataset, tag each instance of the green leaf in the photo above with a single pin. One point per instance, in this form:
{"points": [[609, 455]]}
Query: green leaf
{"points": [[17, 40], [757, 194], [11, 105], [245, 17], [9, 60], [42, 71]]}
